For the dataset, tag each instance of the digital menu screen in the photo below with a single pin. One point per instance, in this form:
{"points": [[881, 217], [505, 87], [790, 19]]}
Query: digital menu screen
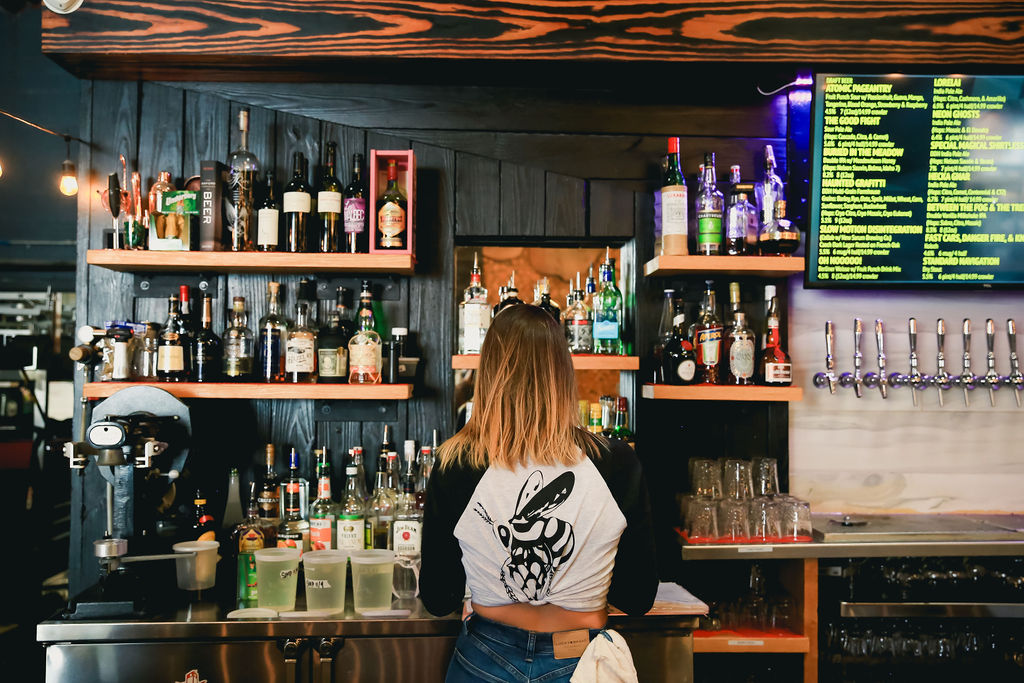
{"points": [[917, 181]]}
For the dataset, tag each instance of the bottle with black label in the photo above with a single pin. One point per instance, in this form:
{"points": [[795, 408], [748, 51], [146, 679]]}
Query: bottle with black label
{"points": [[268, 218], [679, 362], [207, 352], [297, 205]]}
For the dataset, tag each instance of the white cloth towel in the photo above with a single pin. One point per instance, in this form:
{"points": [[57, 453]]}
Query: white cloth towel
{"points": [[606, 660]]}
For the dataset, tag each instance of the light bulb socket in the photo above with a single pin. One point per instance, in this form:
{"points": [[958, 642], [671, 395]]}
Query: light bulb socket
{"points": [[68, 179], [67, 167]]}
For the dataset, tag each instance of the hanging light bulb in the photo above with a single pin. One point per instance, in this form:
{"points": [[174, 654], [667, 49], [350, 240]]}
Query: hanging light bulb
{"points": [[68, 177], [1, 170]]}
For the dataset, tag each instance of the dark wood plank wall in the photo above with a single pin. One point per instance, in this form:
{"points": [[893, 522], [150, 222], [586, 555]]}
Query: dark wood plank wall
{"points": [[565, 189], [261, 40]]}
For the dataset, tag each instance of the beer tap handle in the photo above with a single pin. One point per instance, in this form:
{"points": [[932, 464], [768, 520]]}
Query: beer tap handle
{"points": [[880, 341], [991, 377], [830, 355], [966, 379], [941, 377], [914, 377], [1015, 377], [858, 382]]}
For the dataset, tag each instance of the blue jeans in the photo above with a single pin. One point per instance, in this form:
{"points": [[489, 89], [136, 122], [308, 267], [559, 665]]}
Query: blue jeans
{"points": [[493, 652]]}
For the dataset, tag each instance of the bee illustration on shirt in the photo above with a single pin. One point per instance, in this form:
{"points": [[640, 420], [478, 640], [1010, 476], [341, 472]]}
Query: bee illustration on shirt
{"points": [[537, 544]]}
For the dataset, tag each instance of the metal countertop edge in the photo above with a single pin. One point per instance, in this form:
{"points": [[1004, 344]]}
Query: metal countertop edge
{"points": [[846, 550]]}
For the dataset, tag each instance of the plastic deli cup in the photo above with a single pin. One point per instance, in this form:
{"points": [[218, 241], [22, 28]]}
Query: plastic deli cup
{"points": [[277, 575], [196, 572], [372, 574], [325, 579]]}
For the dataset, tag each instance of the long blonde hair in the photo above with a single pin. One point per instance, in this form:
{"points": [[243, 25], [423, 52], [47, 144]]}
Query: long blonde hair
{"points": [[525, 400]]}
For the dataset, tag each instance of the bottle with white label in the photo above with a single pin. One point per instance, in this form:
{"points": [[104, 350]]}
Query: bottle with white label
{"points": [[352, 515], [300, 349], [328, 204], [268, 218], [776, 368], [323, 511], [406, 533], [674, 204], [679, 362], [740, 351], [297, 205], [474, 313]]}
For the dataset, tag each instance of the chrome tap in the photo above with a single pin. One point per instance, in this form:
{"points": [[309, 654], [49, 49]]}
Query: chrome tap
{"points": [[967, 379], [914, 379], [991, 378], [1015, 378], [941, 378], [855, 380], [883, 385], [829, 376]]}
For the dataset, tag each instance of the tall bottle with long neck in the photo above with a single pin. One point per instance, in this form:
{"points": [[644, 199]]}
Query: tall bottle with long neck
{"points": [[380, 512], [172, 364], [356, 240], [608, 312], [273, 333], [352, 513], [268, 217], [710, 205], [364, 348], [293, 532], [243, 168], [474, 313], [300, 349], [328, 204], [248, 537], [323, 511], [579, 325], [674, 204], [207, 353], [297, 206], [708, 339], [770, 189], [776, 368]]}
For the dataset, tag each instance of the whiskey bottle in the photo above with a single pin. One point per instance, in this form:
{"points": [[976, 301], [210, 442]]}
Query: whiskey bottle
{"points": [[708, 339], [293, 532], [679, 365], [406, 532], [776, 368], [297, 206], [269, 499], [207, 352], [356, 241], [268, 218], [273, 333], [238, 344], [172, 355], [300, 349], [579, 327], [740, 351], [186, 321], [328, 204], [202, 521], [710, 205], [364, 349], [243, 168], [674, 206], [380, 511], [352, 514], [323, 512], [332, 344], [608, 312], [474, 313], [391, 208], [248, 537]]}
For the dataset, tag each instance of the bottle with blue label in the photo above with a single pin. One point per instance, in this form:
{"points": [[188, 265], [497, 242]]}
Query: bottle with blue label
{"points": [[608, 312]]}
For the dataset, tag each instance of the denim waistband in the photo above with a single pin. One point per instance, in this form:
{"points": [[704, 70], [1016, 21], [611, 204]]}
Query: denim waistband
{"points": [[533, 641]]}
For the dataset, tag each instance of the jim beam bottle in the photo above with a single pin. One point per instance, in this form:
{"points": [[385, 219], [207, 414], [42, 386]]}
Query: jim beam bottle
{"points": [[708, 339]]}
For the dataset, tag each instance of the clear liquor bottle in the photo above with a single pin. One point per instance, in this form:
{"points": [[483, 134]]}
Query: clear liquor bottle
{"points": [[328, 204], [739, 351], [238, 343], [406, 533], [273, 334], [351, 522], [590, 290], [579, 326], [364, 349], [708, 339], [664, 335], [243, 169], [323, 512], [740, 217], [207, 351], [769, 190], [356, 240], [300, 349], [357, 459], [268, 217], [608, 312], [674, 206], [269, 499], [474, 313], [710, 206], [426, 467], [172, 356], [297, 206], [391, 208], [380, 511], [293, 532]]}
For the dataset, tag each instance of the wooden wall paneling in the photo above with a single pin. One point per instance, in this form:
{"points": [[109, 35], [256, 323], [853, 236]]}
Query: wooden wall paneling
{"points": [[432, 294], [477, 195], [297, 134], [351, 141], [522, 200], [565, 202], [207, 120], [610, 210]]}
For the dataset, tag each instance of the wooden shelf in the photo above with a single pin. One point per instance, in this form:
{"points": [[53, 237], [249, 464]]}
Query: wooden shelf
{"points": [[580, 362], [749, 640], [248, 262], [258, 390], [759, 266], [702, 392]]}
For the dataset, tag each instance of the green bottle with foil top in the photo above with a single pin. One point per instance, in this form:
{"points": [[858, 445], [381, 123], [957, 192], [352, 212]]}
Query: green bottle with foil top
{"points": [[710, 206], [250, 536]]}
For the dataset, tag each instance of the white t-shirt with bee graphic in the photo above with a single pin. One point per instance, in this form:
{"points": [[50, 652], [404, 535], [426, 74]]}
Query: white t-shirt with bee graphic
{"points": [[540, 534]]}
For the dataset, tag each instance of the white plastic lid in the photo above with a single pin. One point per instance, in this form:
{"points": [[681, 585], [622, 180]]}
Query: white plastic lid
{"points": [[252, 613], [377, 556], [399, 331], [769, 291], [277, 554], [195, 546], [312, 614], [325, 557]]}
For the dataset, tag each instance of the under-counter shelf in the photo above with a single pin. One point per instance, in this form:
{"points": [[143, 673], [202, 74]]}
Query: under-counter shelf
{"points": [[580, 362], [248, 262], [750, 640], [757, 266], [718, 392], [259, 390]]}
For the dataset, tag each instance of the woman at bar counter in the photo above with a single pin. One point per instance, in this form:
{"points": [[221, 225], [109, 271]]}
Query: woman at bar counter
{"points": [[546, 522]]}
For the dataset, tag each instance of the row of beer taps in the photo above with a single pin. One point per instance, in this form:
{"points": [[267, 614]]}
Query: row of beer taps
{"points": [[914, 379]]}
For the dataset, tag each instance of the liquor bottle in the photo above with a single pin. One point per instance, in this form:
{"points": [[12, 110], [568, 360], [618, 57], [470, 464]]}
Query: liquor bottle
{"points": [[385, 444], [323, 512], [608, 312], [579, 327], [664, 335], [328, 204], [426, 467], [207, 352], [268, 218], [273, 333], [620, 431], [332, 350], [146, 354], [172, 356], [770, 189], [238, 344], [243, 168], [740, 351], [357, 460], [295, 481], [674, 205], [380, 511], [352, 514], [710, 205], [269, 499], [739, 216], [186, 321], [364, 349], [474, 313], [300, 349], [776, 368], [594, 424], [511, 296], [394, 483], [233, 507], [305, 292], [391, 208], [734, 299], [547, 304], [247, 537], [708, 340], [769, 294], [779, 236], [679, 365], [590, 290], [293, 531], [202, 521], [406, 532], [356, 241], [297, 206]]}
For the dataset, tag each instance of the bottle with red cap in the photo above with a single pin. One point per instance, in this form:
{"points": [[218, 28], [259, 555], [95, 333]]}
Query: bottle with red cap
{"points": [[673, 210]]}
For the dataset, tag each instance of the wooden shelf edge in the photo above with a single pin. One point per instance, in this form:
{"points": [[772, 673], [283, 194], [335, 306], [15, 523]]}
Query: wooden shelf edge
{"points": [[750, 641], [223, 390], [251, 262], [582, 362], [762, 266], [697, 392]]}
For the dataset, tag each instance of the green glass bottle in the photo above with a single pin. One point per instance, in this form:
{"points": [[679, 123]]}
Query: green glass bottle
{"points": [[608, 312]]}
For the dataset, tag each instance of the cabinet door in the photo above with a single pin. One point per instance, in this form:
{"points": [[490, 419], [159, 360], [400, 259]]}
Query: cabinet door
{"points": [[411, 659]]}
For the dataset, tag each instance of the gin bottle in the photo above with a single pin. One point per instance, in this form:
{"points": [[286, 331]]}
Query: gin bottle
{"points": [[579, 328], [608, 312], [474, 313], [352, 514]]}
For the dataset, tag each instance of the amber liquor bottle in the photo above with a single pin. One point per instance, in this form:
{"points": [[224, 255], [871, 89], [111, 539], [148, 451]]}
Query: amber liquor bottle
{"points": [[391, 209], [707, 338]]}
